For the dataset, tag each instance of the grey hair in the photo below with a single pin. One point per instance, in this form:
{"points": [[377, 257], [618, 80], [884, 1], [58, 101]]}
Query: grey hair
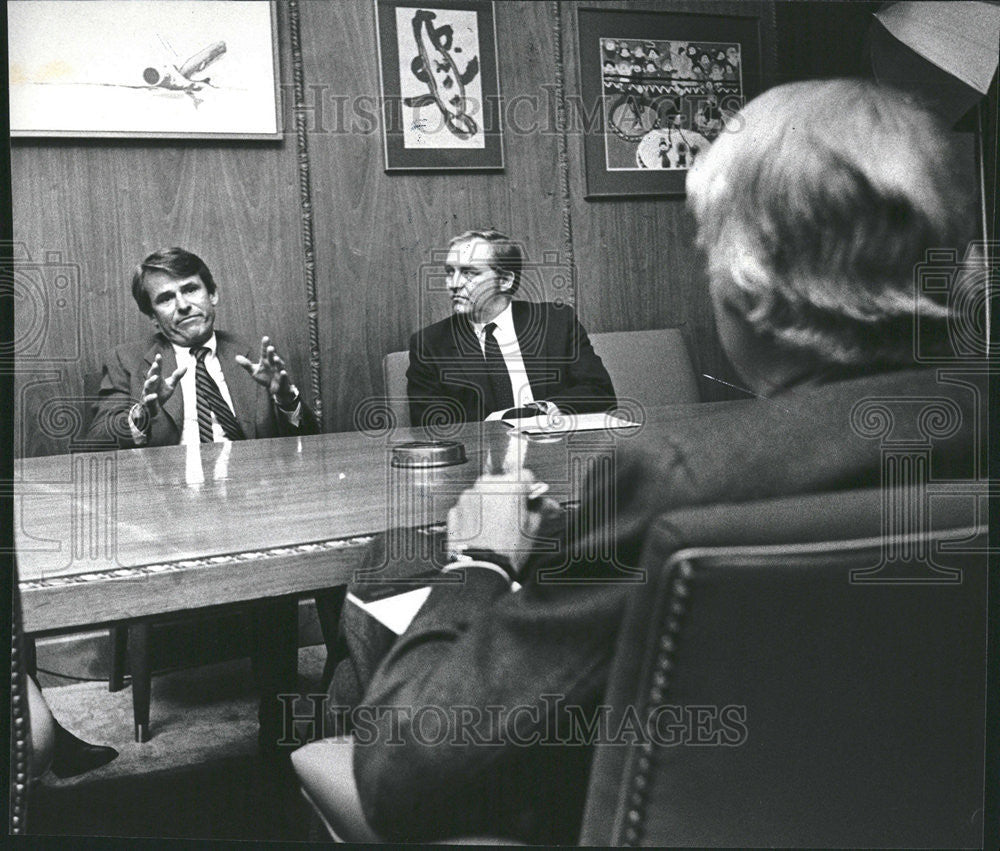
{"points": [[817, 203]]}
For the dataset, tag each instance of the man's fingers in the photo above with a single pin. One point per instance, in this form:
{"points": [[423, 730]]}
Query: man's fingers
{"points": [[246, 364], [532, 522], [459, 534], [151, 384], [464, 520], [544, 506], [517, 483], [264, 343], [175, 376]]}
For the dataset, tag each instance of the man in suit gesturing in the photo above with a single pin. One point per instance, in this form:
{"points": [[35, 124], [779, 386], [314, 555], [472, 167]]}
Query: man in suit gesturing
{"points": [[192, 384], [494, 353], [139, 403]]}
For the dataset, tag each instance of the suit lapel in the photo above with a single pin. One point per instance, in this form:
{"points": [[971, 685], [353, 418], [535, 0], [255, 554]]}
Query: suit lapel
{"points": [[242, 388], [532, 339], [173, 408], [464, 366]]}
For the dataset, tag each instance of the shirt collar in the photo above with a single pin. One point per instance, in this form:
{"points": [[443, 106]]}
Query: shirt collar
{"points": [[184, 352], [504, 322]]}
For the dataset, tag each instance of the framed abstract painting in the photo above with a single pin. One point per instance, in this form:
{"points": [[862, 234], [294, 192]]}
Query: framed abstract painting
{"points": [[439, 85], [660, 87]]}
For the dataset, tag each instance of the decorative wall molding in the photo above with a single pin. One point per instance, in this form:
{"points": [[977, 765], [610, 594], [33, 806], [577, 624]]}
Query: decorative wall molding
{"points": [[306, 208], [567, 217]]}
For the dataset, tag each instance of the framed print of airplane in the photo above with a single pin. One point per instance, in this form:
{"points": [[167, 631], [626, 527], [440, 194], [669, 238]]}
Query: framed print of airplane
{"points": [[160, 69], [439, 85]]}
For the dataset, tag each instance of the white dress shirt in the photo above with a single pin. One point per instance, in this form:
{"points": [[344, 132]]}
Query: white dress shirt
{"points": [[189, 388], [190, 432], [511, 350]]}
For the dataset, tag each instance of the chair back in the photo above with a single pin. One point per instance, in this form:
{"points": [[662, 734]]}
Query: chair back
{"points": [[91, 391], [394, 366], [80, 442], [648, 367], [821, 694]]}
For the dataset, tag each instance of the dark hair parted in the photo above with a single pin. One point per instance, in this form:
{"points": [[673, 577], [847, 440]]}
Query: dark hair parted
{"points": [[175, 262]]}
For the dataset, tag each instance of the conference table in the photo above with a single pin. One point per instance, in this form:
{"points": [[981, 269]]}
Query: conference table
{"points": [[129, 536]]}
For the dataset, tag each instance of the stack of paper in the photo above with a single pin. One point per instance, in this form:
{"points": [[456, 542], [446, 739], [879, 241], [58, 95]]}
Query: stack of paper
{"points": [[568, 423]]}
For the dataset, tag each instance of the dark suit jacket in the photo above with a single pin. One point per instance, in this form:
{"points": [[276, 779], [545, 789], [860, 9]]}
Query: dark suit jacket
{"points": [[549, 646], [447, 379], [124, 373]]}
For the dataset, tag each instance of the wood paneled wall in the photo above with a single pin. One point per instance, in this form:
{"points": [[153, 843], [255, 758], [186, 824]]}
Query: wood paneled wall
{"points": [[101, 206], [87, 210], [637, 263]]}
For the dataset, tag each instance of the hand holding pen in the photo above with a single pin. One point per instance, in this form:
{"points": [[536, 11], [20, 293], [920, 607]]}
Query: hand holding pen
{"points": [[500, 512]]}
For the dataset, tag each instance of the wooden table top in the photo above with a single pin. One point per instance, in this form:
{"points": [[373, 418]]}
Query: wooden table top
{"points": [[109, 536]]}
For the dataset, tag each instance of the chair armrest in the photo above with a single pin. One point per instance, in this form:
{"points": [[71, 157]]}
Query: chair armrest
{"points": [[326, 770]]}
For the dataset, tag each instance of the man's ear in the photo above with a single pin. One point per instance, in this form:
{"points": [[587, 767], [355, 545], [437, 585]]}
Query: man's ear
{"points": [[506, 281], [155, 321], [214, 298]]}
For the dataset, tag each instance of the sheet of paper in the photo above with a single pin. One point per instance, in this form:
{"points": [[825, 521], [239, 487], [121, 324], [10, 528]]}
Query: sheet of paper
{"points": [[568, 423], [394, 612]]}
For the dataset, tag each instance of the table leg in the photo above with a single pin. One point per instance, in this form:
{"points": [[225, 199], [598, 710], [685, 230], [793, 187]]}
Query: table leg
{"points": [[138, 659], [329, 606], [275, 655], [118, 639]]}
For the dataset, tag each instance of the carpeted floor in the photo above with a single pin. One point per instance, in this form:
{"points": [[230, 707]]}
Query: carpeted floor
{"points": [[200, 775]]}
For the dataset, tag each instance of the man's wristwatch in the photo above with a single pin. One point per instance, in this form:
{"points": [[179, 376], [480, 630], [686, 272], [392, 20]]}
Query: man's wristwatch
{"points": [[139, 416], [290, 407], [489, 556]]}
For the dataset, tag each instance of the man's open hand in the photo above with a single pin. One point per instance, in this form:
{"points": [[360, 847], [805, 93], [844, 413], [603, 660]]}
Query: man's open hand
{"points": [[156, 389], [270, 372]]}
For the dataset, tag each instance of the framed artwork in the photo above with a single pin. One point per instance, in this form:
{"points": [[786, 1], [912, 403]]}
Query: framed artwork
{"points": [[161, 69], [660, 86], [439, 84]]}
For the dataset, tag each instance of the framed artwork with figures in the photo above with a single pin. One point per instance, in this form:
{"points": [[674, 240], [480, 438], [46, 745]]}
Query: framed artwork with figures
{"points": [[661, 86], [439, 85]]}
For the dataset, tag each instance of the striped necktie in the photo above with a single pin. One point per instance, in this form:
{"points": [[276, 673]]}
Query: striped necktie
{"points": [[496, 369], [210, 401]]}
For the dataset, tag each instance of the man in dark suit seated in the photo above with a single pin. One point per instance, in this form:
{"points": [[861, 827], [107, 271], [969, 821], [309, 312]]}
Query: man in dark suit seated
{"points": [[190, 383], [494, 353], [814, 215]]}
